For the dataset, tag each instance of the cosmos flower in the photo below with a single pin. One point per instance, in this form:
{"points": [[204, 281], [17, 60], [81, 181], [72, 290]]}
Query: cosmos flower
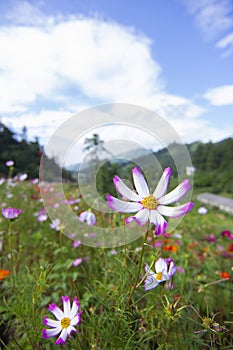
{"points": [[9, 163], [148, 206], [56, 224], [76, 244], [66, 320], [227, 234], [22, 177], [88, 217], [42, 216], [11, 213], [77, 261], [164, 270], [202, 211]]}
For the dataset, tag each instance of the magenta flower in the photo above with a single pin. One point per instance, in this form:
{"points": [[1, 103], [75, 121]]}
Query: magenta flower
{"points": [[88, 217], [148, 206], [227, 234], [11, 213], [165, 269], [66, 320]]}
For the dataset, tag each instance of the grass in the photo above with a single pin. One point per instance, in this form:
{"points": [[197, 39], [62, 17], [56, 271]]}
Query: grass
{"points": [[195, 314]]}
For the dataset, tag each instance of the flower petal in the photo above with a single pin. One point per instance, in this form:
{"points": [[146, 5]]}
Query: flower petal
{"points": [[51, 323], [75, 320], [63, 337], [48, 333], [122, 206], [159, 222], [74, 309], [70, 329], [162, 186], [172, 268], [161, 265], [66, 306], [141, 217], [125, 191], [150, 281], [140, 183], [56, 311], [176, 194], [175, 212]]}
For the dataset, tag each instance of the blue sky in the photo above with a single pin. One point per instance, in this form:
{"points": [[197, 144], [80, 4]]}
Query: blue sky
{"points": [[174, 57]]}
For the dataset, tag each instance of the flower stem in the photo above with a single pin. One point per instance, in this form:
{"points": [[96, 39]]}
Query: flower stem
{"points": [[11, 253], [139, 268]]}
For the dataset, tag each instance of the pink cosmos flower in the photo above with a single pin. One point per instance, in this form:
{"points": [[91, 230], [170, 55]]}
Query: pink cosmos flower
{"points": [[66, 320], [11, 213], [77, 261], [148, 206], [76, 244], [42, 216]]}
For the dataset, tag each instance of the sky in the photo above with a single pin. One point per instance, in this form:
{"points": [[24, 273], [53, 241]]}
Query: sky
{"points": [[59, 58]]}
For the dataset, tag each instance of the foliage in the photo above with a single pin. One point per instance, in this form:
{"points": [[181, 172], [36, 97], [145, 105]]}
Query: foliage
{"points": [[214, 164]]}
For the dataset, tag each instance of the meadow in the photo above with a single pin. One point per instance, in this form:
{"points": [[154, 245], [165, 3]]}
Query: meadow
{"points": [[39, 265]]}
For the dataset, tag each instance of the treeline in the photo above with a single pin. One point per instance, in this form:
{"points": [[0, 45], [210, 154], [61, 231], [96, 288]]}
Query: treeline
{"points": [[26, 155], [214, 166], [213, 161]]}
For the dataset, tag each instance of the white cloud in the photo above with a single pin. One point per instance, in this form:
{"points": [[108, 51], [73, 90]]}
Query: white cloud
{"points": [[52, 67], [214, 19], [220, 96], [226, 43]]}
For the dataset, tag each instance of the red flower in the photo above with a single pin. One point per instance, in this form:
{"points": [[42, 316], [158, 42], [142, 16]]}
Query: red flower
{"points": [[225, 274], [230, 248]]}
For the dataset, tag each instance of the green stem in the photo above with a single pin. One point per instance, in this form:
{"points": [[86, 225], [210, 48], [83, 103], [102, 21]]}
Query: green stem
{"points": [[11, 253], [139, 267]]}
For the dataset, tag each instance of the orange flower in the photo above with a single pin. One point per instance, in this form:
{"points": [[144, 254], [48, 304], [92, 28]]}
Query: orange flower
{"points": [[192, 245], [3, 274], [170, 248], [225, 274]]}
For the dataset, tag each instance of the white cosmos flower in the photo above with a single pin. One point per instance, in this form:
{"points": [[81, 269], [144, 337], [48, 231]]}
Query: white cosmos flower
{"points": [[165, 269], [148, 206], [66, 320]]}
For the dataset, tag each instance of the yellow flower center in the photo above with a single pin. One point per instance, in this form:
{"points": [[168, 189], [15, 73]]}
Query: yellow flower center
{"points": [[149, 202], [65, 322], [159, 276]]}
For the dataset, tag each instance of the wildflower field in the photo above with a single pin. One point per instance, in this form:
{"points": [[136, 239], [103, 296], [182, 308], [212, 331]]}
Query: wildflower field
{"points": [[165, 290]]}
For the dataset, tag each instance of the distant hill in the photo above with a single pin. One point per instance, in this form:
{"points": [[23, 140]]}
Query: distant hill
{"points": [[26, 155]]}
